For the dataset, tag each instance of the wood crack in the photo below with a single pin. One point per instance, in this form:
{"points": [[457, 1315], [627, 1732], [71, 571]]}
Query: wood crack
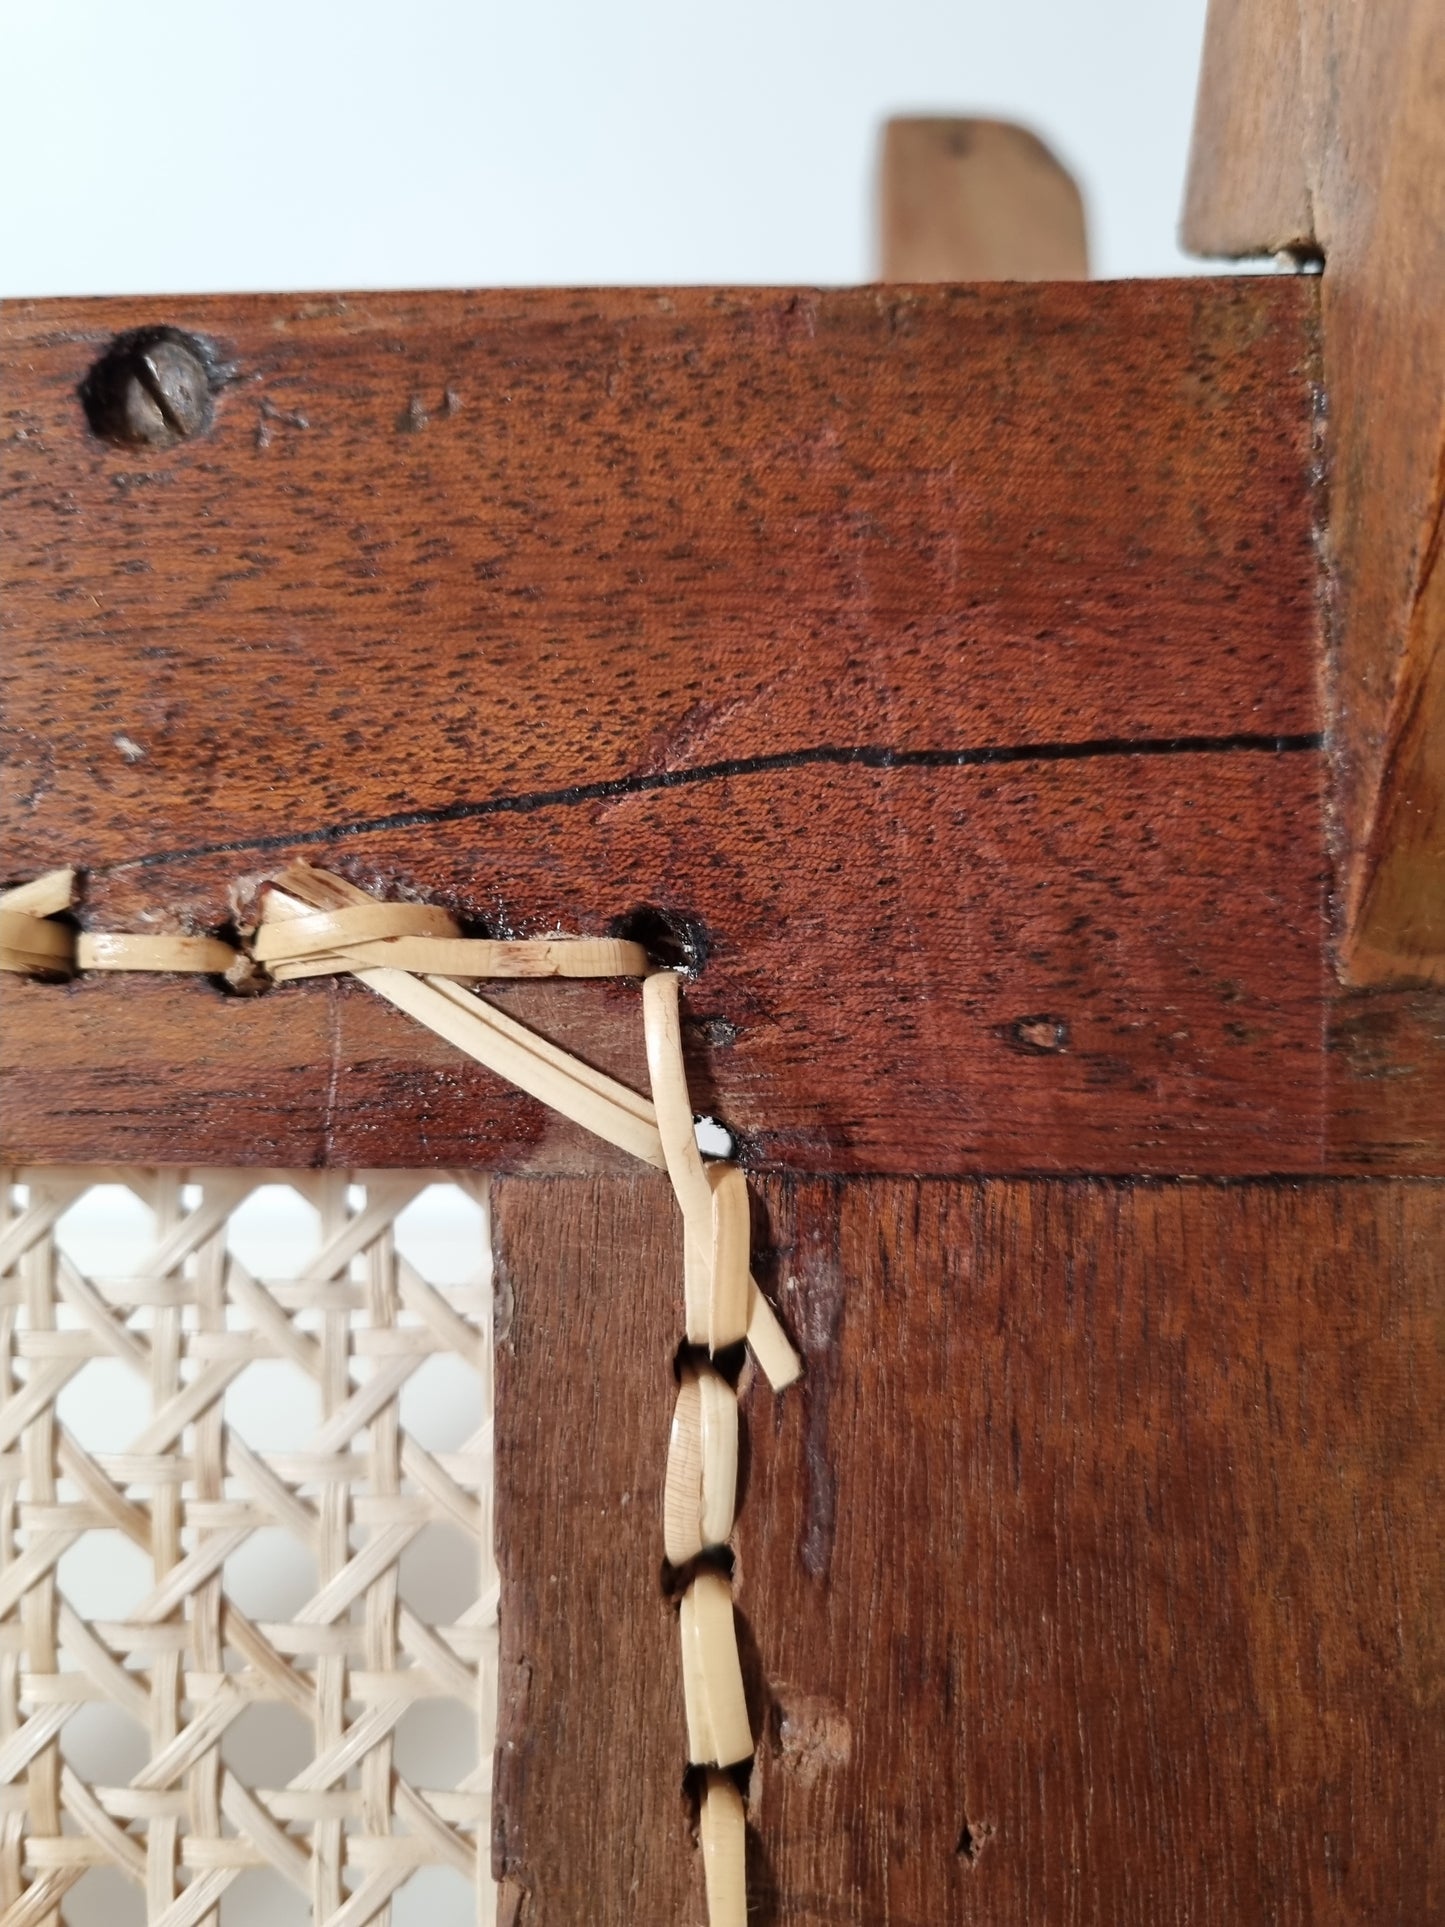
{"points": [[874, 756]]}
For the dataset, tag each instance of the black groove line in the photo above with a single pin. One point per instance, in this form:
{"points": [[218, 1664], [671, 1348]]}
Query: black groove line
{"points": [[837, 755]]}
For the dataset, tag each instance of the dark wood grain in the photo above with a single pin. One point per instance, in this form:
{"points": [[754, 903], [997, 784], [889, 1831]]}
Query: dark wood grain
{"points": [[948, 665], [1091, 1574], [591, 1824], [948, 659], [649, 532], [1321, 128]]}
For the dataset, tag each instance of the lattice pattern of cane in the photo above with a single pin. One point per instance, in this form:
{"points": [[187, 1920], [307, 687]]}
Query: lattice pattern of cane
{"points": [[338, 1342]]}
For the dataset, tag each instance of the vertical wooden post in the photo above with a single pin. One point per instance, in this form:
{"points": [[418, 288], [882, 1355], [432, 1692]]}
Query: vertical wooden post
{"points": [[1321, 130], [976, 200]]}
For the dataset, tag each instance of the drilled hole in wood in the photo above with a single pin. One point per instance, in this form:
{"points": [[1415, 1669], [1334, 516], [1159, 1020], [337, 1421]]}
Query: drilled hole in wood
{"points": [[672, 938], [972, 1841], [1041, 1036], [714, 1140], [675, 1580], [718, 1033], [729, 1360], [694, 1783], [245, 978]]}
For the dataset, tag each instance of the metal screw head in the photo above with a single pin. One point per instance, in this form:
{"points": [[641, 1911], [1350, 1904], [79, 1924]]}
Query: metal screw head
{"points": [[152, 386]]}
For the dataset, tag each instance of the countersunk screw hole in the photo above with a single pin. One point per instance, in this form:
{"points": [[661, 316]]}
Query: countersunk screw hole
{"points": [[152, 387]]}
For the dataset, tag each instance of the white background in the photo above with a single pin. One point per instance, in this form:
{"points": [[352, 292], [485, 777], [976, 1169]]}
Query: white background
{"points": [[297, 144]]}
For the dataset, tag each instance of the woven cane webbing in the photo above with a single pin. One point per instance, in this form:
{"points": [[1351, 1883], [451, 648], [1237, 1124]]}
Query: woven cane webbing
{"points": [[408, 955], [341, 1339]]}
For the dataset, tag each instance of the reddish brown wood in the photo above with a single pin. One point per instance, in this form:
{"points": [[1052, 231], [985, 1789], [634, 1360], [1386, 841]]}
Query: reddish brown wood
{"points": [[976, 200], [1386, 1064], [603, 631], [950, 661], [534, 653], [1321, 127], [1091, 1573], [591, 1822], [648, 533]]}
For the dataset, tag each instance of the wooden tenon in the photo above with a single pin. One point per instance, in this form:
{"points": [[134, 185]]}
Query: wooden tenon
{"points": [[942, 674]]}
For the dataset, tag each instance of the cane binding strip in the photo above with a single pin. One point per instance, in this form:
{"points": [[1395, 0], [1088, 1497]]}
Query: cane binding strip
{"points": [[411, 955]]}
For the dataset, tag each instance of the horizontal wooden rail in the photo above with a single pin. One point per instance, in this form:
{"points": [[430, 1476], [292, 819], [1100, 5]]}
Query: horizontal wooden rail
{"points": [[937, 670]]}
